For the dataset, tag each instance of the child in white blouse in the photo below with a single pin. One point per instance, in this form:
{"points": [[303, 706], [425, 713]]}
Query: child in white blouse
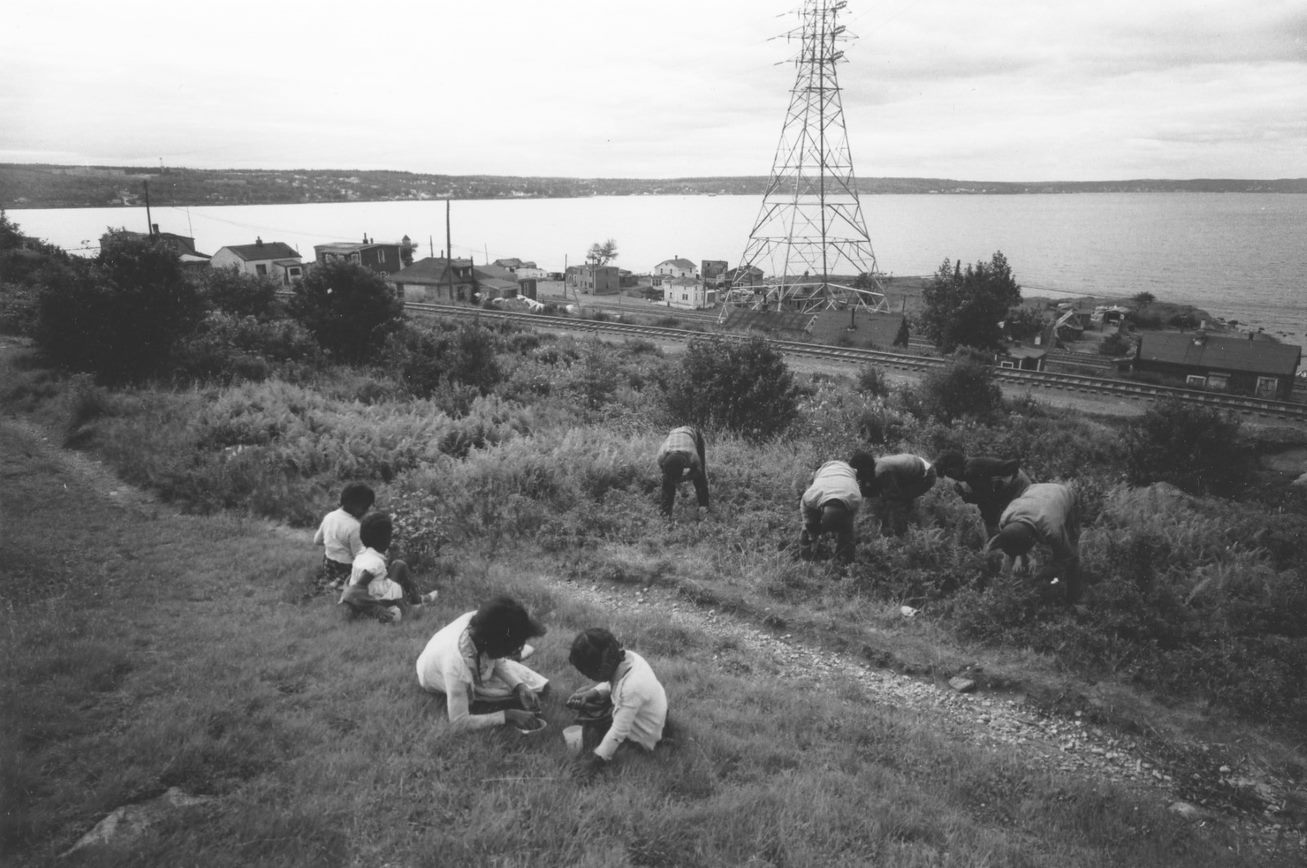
{"points": [[627, 705]]}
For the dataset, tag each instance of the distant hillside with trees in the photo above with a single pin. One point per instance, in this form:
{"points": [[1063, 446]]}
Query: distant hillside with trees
{"points": [[54, 186]]}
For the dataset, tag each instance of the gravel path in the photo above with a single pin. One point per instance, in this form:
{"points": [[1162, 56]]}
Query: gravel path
{"points": [[1265, 811]]}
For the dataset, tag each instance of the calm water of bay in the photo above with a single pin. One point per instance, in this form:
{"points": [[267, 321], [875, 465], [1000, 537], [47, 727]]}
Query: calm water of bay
{"points": [[1237, 255]]}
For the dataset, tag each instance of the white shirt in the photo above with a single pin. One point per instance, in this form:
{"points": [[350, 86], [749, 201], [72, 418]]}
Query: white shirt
{"points": [[339, 536], [370, 565], [450, 665], [639, 706]]}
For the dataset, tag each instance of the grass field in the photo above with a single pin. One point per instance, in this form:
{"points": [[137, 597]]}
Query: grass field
{"points": [[145, 649]]}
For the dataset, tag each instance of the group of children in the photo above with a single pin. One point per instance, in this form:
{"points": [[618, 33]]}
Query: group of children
{"points": [[354, 546], [1018, 514], [475, 661]]}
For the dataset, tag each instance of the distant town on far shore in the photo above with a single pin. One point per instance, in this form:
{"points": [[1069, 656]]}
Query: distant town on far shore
{"points": [[54, 186]]}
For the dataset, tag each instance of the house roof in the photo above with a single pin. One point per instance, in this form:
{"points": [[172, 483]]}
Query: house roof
{"points": [[430, 270], [350, 247], [1200, 350], [266, 250], [678, 263], [494, 271]]}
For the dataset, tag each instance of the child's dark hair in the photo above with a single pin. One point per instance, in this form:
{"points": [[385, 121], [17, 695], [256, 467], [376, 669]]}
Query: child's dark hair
{"points": [[864, 468], [376, 530], [357, 498], [502, 625], [951, 464], [595, 650]]}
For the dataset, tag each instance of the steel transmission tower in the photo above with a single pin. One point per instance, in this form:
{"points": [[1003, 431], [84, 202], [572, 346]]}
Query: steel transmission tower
{"points": [[810, 241]]}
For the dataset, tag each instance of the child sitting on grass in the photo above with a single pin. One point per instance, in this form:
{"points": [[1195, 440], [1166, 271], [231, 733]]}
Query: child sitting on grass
{"points": [[473, 661], [375, 590], [627, 705], [339, 535]]}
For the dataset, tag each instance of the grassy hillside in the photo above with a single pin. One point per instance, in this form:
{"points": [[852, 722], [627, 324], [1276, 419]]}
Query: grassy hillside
{"points": [[174, 640]]}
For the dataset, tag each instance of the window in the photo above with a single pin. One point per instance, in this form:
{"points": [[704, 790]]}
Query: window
{"points": [[1195, 380], [1007, 364], [1267, 387], [261, 270]]}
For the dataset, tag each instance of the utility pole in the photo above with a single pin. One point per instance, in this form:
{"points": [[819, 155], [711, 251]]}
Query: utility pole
{"points": [[810, 233], [149, 221], [449, 253]]}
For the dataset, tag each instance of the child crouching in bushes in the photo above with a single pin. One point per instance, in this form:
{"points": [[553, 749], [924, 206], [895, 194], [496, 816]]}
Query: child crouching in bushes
{"points": [[628, 705], [376, 590]]}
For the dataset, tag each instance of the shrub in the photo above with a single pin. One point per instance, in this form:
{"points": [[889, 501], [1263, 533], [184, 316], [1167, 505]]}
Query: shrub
{"points": [[228, 347], [871, 381], [1115, 344], [740, 386], [964, 388], [457, 362], [1194, 447], [123, 319], [229, 291], [348, 309]]}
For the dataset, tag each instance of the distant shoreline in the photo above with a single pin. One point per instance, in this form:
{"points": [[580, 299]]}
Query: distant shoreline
{"points": [[49, 186]]}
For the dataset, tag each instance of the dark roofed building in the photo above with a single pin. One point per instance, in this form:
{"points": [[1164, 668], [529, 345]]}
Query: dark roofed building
{"points": [[1226, 363], [435, 279], [382, 257]]}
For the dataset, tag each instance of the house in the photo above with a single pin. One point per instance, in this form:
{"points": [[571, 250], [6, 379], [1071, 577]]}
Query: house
{"points": [[522, 269], [744, 275], [674, 267], [493, 282], [274, 259], [688, 293], [1227, 363], [435, 279], [593, 278], [385, 258], [713, 272]]}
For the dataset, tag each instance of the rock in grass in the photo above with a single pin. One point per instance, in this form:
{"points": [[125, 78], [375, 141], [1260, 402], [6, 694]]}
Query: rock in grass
{"points": [[961, 685], [125, 823]]}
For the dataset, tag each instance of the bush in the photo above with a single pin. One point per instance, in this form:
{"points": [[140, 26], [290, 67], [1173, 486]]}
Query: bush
{"points": [[124, 318], [1191, 446], [229, 291], [740, 386], [348, 309], [872, 381], [1115, 344], [964, 388], [228, 347], [457, 359]]}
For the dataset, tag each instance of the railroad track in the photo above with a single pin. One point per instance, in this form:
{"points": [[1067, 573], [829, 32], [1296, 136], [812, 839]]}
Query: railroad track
{"points": [[900, 361]]}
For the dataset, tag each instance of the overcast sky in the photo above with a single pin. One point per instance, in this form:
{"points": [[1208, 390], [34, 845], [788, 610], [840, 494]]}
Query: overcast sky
{"points": [[1004, 90]]}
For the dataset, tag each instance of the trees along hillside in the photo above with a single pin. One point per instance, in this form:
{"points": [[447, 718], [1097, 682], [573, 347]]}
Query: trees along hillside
{"points": [[964, 306]]}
